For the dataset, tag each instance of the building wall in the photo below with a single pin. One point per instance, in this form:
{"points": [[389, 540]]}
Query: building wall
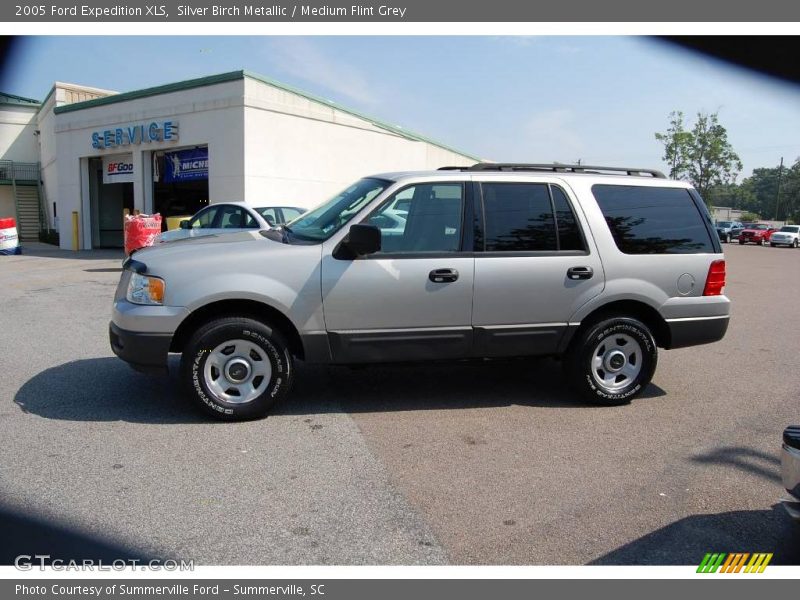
{"points": [[17, 139], [300, 152], [211, 115]]}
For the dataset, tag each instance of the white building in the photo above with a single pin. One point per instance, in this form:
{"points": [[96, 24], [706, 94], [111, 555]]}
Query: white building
{"points": [[173, 148]]}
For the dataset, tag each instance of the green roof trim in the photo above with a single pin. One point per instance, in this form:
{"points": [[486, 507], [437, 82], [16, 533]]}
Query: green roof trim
{"points": [[151, 91], [236, 75], [18, 100]]}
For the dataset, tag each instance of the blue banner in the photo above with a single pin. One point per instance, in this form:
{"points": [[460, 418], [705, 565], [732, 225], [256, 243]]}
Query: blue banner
{"points": [[186, 165]]}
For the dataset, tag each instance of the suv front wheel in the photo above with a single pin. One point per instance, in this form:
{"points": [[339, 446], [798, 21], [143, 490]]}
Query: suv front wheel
{"points": [[612, 361], [236, 368]]}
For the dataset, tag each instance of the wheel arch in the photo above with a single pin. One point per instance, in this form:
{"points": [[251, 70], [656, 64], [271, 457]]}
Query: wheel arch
{"points": [[627, 308], [238, 308]]}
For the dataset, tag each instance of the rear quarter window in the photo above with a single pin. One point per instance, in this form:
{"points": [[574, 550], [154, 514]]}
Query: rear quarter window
{"points": [[653, 220]]}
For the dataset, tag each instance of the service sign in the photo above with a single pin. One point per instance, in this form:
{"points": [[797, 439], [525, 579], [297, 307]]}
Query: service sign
{"points": [[118, 168], [186, 165], [135, 134]]}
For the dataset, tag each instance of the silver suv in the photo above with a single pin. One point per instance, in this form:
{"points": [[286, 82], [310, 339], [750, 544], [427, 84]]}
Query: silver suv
{"points": [[599, 266]]}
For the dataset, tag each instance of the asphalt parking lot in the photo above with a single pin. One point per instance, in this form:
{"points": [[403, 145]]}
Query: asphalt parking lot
{"points": [[492, 463]]}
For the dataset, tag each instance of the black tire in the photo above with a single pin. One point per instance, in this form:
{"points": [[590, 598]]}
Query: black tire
{"points": [[741, 242], [578, 362], [773, 245], [213, 334], [794, 243]]}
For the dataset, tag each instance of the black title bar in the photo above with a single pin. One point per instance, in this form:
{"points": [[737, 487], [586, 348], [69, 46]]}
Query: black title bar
{"points": [[398, 11]]}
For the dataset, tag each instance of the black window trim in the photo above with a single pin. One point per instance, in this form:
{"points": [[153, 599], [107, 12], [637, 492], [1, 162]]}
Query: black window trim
{"points": [[481, 224], [705, 216], [466, 208]]}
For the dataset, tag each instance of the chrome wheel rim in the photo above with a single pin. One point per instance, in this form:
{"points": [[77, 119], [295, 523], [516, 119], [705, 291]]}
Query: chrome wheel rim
{"points": [[237, 371], [616, 362]]}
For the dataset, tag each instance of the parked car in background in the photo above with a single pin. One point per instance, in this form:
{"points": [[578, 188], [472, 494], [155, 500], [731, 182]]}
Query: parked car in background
{"points": [[756, 233], [790, 469], [788, 235], [230, 217], [729, 230]]}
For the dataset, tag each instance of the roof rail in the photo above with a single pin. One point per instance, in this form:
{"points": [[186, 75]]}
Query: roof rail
{"points": [[559, 168]]}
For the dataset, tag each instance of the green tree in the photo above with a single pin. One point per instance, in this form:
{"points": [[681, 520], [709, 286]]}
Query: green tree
{"points": [[790, 192], [676, 141], [703, 155]]}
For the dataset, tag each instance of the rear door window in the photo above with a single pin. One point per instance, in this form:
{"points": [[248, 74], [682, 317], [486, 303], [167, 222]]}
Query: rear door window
{"points": [[653, 220], [231, 217], [529, 217]]}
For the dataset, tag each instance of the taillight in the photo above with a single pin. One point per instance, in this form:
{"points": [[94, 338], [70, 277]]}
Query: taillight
{"points": [[715, 280]]}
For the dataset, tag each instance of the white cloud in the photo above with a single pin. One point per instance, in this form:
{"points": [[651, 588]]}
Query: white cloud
{"points": [[305, 60]]}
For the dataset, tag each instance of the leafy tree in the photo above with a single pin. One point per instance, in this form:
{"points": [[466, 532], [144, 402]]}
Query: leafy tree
{"points": [[676, 141], [790, 192], [703, 155]]}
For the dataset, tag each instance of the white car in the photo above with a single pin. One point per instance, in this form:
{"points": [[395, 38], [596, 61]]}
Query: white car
{"points": [[230, 217], [788, 235]]}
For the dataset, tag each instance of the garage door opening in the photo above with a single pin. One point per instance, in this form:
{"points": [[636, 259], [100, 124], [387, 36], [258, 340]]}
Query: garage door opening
{"points": [[111, 195]]}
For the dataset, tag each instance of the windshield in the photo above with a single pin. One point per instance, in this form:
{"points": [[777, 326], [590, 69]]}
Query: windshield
{"points": [[723, 223], [322, 222], [791, 228]]}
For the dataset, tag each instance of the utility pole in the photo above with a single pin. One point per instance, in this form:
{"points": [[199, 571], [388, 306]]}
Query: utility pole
{"points": [[778, 192]]}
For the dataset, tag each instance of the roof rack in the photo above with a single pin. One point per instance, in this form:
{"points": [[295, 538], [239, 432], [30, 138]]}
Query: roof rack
{"points": [[558, 168]]}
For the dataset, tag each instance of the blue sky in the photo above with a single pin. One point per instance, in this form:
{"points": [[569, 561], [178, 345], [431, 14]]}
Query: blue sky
{"points": [[533, 99]]}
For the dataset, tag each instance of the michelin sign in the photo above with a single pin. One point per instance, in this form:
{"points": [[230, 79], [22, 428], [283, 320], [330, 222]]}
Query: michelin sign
{"points": [[186, 165]]}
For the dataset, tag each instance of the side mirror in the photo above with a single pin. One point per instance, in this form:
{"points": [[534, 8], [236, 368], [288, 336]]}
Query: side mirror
{"points": [[361, 240], [184, 224]]}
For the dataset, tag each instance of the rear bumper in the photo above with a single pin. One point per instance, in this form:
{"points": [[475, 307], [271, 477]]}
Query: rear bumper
{"points": [[146, 352], [697, 330]]}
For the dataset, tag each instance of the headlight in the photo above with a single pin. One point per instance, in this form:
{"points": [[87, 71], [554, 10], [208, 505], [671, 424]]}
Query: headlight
{"points": [[145, 290]]}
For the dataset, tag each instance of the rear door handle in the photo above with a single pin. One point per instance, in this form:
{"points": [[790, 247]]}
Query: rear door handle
{"points": [[580, 273], [443, 275]]}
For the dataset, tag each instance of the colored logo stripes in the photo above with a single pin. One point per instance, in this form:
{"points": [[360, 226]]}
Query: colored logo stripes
{"points": [[734, 562]]}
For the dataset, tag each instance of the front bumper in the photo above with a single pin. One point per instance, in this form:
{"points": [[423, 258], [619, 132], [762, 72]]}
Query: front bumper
{"points": [[781, 241], [145, 352], [790, 469]]}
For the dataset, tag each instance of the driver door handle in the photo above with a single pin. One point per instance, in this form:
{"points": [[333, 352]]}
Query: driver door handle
{"points": [[580, 273], [443, 275]]}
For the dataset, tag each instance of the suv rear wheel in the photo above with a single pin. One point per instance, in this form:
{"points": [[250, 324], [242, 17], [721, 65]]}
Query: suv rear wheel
{"points": [[612, 361], [236, 368]]}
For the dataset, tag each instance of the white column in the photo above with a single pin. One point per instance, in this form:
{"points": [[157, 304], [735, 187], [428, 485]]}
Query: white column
{"points": [[85, 204]]}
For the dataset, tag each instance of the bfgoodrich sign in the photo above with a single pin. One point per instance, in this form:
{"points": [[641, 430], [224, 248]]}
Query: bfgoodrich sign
{"points": [[142, 133]]}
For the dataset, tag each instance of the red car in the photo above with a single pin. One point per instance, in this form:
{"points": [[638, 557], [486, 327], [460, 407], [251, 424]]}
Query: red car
{"points": [[757, 233]]}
